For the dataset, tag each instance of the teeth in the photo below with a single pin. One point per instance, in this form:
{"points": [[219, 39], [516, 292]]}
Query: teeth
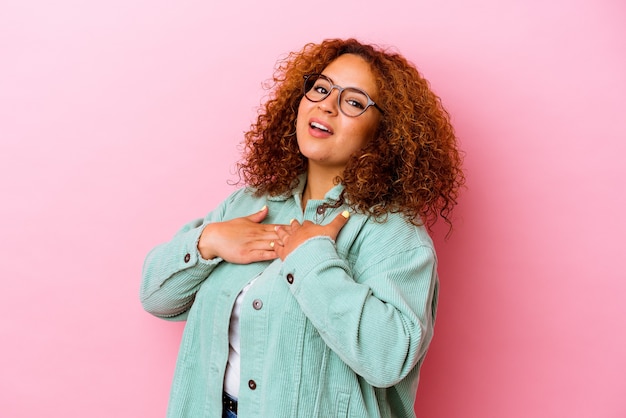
{"points": [[319, 126]]}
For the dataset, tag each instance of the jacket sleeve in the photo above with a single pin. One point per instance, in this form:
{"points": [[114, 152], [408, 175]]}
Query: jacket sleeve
{"points": [[378, 318], [173, 271]]}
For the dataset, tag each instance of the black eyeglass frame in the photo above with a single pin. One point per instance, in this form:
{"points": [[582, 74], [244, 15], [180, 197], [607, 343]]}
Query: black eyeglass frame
{"points": [[340, 89]]}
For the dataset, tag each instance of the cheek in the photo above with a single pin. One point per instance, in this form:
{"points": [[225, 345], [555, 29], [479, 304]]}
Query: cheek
{"points": [[365, 132], [301, 127], [372, 129], [301, 122]]}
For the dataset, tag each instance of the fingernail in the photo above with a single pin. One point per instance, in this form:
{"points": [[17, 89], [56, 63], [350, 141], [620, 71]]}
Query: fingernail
{"points": [[345, 214], [276, 228], [291, 221], [263, 208]]}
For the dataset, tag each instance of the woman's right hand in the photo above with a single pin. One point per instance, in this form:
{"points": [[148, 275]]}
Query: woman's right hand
{"points": [[241, 240]]}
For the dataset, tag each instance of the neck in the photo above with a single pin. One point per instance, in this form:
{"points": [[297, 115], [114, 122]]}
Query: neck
{"points": [[317, 185]]}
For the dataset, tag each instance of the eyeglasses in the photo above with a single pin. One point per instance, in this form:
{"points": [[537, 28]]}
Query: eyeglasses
{"points": [[351, 101]]}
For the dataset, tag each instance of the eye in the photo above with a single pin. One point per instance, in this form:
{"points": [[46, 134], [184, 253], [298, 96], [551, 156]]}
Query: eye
{"points": [[355, 103], [355, 98], [320, 87]]}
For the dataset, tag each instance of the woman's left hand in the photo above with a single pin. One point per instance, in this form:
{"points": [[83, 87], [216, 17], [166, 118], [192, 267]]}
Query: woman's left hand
{"points": [[290, 237]]}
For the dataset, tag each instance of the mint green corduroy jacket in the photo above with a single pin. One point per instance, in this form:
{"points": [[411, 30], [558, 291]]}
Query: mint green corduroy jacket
{"points": [[341, 329]]}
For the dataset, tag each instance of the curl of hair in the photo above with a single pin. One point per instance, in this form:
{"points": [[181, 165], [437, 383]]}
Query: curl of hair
{"points": [[413, 166]]}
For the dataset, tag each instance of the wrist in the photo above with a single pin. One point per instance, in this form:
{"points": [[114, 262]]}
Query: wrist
{"points": [[204, 244]]}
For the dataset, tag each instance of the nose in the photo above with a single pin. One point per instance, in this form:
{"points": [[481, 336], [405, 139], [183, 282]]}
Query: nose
{"points": [[330, 103]]}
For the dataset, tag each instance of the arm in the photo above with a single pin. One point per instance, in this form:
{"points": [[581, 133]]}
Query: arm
{"points": [[174, 271], [378, 317]]}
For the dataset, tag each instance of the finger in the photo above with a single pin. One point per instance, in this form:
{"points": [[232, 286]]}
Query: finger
{"points": [[276, 227], [289, 227], [263, 234], [282, 233], [262, 255], [336, 224], [294, 225], [260, 215], [265, 245]]}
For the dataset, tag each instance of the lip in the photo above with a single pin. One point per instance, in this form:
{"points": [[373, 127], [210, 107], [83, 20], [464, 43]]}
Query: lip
{"points": [[318, 133]]}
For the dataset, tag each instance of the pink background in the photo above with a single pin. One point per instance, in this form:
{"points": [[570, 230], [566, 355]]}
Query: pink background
{"points": [[120, 121]]}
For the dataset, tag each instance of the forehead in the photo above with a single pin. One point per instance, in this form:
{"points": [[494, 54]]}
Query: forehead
{"points": [[351, 70]]}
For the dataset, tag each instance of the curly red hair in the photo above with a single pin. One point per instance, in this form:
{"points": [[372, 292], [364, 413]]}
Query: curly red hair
{"points": [[413, 166]]}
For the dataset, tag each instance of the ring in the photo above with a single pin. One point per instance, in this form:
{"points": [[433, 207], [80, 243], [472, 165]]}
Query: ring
{"points": [[271, 244]]}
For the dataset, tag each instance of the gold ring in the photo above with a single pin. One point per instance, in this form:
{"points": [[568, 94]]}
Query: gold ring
{"points": [[271, 244]]}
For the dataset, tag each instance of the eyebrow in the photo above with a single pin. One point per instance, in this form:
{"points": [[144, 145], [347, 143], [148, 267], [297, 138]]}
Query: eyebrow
{"points": [[347, 87]]}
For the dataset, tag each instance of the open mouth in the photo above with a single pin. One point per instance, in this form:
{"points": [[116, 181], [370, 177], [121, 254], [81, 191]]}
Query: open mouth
{"points": [[319, 126]]}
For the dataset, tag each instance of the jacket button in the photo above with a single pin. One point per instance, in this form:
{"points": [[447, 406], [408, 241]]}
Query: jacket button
{"points": [[290, 278], [187, 258], [251, 384], [320, 210], [257, 304]]}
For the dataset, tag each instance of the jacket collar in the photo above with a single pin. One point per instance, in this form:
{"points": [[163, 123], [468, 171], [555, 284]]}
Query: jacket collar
{"points": [[332, 195]]}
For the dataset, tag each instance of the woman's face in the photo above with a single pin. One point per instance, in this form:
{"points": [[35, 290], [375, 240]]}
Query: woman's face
{"points": [[326, 136]]}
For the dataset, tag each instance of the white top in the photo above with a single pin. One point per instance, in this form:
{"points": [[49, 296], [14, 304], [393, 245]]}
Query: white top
{"points": [[232, 375]]}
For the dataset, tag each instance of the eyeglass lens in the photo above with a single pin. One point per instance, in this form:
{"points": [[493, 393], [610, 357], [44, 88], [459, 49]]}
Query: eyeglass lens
{"points": [[352, 101]]}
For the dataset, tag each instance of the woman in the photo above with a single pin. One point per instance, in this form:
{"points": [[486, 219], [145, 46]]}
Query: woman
{"points": [[312, 291]]}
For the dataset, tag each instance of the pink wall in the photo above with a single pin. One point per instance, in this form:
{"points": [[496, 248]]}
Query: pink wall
{"points": [[120, 120]]}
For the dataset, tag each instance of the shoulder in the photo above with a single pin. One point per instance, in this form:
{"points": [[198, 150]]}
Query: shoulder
{"points": [[243, 194], [395, 232], [381, 241], [241, 202]]}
